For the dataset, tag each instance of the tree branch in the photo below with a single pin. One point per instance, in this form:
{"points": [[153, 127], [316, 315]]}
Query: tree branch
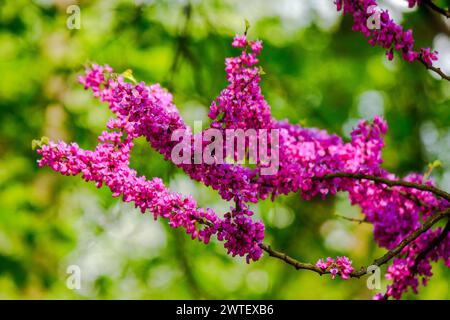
{"points": [[435, 69], [390, 183], [377, 262], [291, 261], [434, 243], [430, 4], [413, 236], [364, 220], [412, 198]]}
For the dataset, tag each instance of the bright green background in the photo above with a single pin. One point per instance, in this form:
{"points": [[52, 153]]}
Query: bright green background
{"points": [[318, 73]]}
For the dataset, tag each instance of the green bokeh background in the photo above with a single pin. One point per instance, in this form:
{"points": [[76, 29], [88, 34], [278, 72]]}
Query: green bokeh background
{"points": [[318, 73]]}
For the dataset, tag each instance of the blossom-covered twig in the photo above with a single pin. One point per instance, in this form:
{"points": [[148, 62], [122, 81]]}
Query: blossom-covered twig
{"points": [[435, 69], [413, 236], [306, 155], [388, 182], [387, 33], [434, 243], [363, 270]]}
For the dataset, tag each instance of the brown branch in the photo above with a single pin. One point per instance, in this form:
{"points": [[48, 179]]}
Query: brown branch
{"points": [[413, 236], [390, 183], [377, 262], [430, 4], [433, 244], [412, 197], [438, 24], [363, 270], [364, 220], [291, 261], [435, 69]]}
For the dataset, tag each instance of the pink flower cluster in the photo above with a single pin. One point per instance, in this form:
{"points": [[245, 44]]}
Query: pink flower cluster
{"points": [[241, 105], [406, 272], [389, 35], [108, 164], [341, 266], [305, 155]]}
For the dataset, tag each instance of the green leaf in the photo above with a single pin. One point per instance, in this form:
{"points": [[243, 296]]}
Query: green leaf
{"points": [[431, 166], [128, 74], [35, 144], [247, 26], [261, 71]]}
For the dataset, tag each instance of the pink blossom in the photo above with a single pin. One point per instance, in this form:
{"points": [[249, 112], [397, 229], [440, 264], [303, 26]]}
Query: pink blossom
{"points": [[341, 266], [306, 154], [240, 41], [389, 35]]}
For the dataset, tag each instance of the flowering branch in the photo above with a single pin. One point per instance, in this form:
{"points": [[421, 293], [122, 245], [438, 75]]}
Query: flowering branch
{"points": [[388, 34], [412, 198], [436, 241], [391, 183], [308, 160], [435, 69], [413, 236], [377, 262]]}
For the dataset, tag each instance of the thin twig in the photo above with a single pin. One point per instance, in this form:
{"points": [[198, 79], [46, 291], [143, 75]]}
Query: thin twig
{"points": [[363, 270], [435, 69], [413, 236], [412, 197], [390, 183], [433, 244], [364, 220], [430, 4], [291, 261], [377, 262]]}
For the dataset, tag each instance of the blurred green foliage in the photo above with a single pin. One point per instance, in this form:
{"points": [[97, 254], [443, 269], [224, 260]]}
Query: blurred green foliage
{"points": [[318, 73]]}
